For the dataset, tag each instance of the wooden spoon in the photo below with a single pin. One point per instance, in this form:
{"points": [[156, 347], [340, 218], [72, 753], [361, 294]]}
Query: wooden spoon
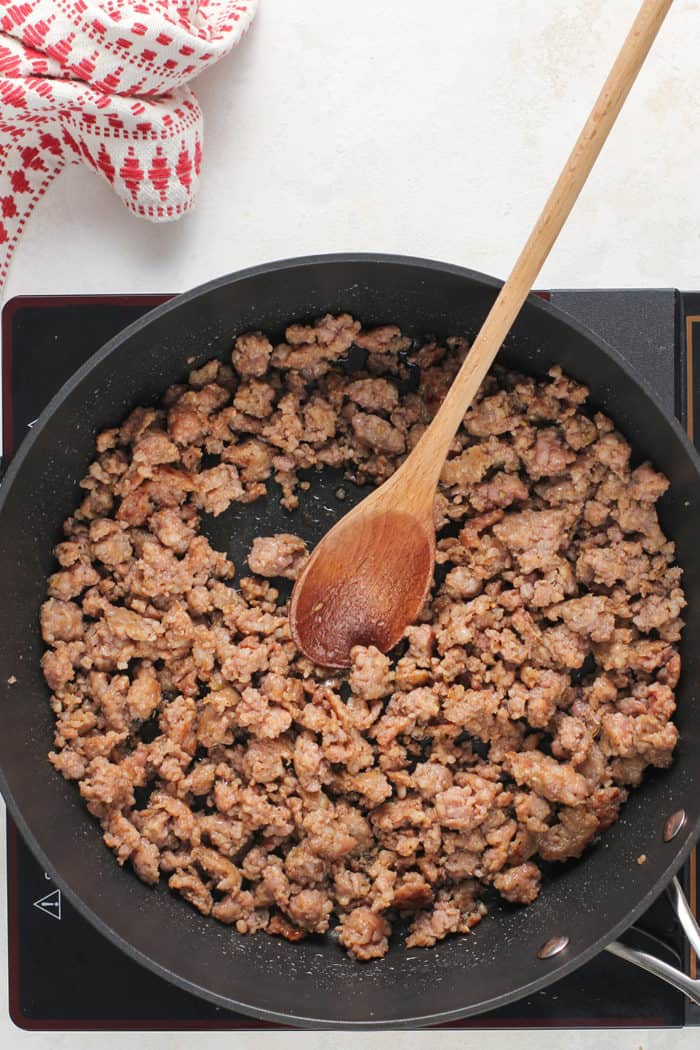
{"points": [[370, 575]]}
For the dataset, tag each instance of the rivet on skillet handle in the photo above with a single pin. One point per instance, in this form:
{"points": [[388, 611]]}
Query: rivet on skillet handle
{"points": [[674, 824], [552, 947], [680, 980]]}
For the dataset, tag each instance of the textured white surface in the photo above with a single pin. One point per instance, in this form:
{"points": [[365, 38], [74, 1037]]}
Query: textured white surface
{"points": [[414, 127], [406, 126]]}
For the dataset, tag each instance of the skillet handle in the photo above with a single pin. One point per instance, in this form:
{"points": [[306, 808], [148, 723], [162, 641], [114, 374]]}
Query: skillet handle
{"points": [[688, 985], [685, 916]]}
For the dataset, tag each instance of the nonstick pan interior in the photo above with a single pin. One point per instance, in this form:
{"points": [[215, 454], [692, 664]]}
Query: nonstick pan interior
{"points": [[313, 983]]}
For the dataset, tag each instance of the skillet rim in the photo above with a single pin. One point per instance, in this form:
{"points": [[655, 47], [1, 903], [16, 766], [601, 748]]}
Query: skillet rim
{"points": [[558, 967]]}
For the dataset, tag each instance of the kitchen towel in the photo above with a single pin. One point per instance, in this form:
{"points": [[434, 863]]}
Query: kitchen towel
{"points": [[106, 83]]}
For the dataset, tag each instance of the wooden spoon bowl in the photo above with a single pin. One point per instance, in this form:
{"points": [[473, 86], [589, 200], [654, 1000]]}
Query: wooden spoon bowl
{"points": [[369, 578]]}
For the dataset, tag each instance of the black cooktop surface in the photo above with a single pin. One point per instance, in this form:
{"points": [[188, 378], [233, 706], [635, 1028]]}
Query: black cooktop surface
{"points": [[65, 975]]}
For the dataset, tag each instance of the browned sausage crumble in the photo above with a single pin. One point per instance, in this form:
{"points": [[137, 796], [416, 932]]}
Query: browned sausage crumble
{"points": [[507, 728]]}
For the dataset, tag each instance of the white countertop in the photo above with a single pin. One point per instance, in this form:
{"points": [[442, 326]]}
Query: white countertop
{"points": [[425, 128]]}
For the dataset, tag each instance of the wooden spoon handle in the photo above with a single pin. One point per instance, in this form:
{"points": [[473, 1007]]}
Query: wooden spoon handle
{"points": [[436, 441]]}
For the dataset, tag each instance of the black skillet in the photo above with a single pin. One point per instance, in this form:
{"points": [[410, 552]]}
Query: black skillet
{"points": [[313, 983]]}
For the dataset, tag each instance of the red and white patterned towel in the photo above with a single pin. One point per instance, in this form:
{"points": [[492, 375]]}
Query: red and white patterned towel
{"points": [[105, 83]]}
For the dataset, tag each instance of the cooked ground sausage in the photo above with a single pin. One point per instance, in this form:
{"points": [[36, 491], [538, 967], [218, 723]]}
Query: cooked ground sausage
{"points": [[506, 728]]}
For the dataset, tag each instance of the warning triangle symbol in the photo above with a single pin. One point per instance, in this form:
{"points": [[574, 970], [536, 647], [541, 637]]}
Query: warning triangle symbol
{"points": [[50, 904]]}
